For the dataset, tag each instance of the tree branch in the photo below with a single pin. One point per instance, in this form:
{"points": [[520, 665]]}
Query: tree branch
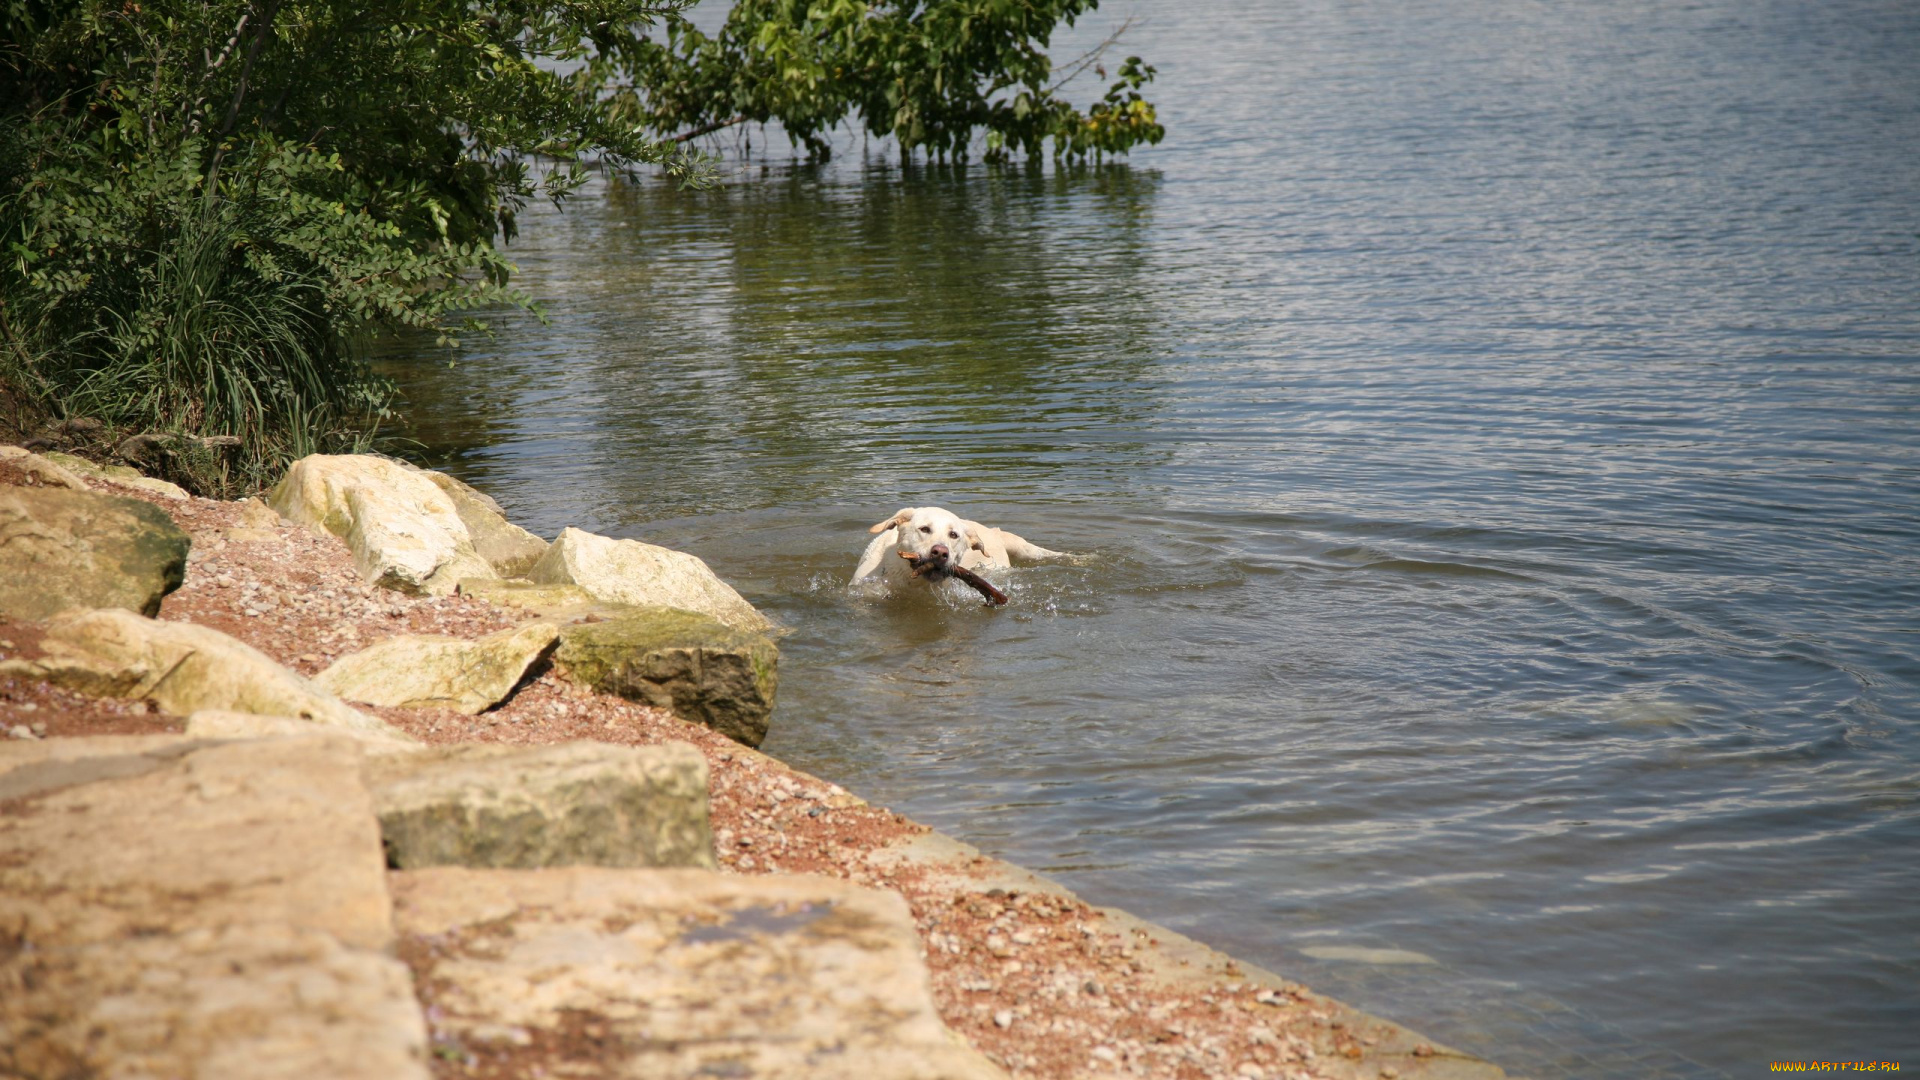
{"points": [[1088, 58], [708, 129]]}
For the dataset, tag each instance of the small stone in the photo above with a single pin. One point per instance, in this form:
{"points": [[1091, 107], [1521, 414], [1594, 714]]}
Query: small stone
{"points": [[1248, 1069], [1003, 1019], [1107, 1054], [1423, 1050], [5, 644], [20, 731], [1093, 988], [39, 728], [1388, 1072]]}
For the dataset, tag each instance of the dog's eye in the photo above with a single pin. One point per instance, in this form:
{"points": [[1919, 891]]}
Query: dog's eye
{"points": [[926, 528], [951, 535]]}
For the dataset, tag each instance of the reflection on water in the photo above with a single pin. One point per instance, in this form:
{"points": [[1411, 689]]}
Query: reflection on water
{"points": [[1489, 432], [858, 340]]}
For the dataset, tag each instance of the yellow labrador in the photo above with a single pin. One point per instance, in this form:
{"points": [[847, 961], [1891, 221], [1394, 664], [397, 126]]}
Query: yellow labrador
{"points": [[934, 536]]}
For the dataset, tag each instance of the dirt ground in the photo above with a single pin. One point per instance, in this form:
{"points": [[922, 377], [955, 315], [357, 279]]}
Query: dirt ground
{"points": [[1041, 984]]}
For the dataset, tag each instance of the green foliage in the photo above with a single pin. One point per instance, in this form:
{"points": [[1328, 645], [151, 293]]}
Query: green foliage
{"points": [[929, 73], [206, 208]]}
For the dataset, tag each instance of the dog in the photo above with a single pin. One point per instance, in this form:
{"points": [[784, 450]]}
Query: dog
{"points": [[933, 536]]}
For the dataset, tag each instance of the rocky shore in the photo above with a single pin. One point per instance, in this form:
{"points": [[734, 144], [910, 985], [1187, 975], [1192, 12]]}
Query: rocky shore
{"points": [[361, 780]]}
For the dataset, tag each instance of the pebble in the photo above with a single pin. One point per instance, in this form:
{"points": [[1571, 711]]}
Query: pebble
{"points": [[1003, 1018], [39, 728], [21, 731]]}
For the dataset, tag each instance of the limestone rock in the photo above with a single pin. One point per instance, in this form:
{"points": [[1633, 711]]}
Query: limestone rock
{"points": [[405, 533], [508, 548], [62, 549], [690, 973], [433, 671], [180, 667], [530, 596], [255, 514], [630, 572], [220, 724], [575, 804], [102, 842], [240, 1003], [176, 907], [43, 469], [118, 474], [702, 669]]}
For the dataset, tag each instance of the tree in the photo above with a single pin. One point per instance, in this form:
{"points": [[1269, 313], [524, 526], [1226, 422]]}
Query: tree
{"points": [[206, 206], [928, 73]]}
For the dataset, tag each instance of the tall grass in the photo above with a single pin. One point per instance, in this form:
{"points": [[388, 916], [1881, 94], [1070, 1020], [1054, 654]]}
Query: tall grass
{"points": [[213, 330]]}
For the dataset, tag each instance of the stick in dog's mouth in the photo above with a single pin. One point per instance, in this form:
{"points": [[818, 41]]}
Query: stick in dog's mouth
{"points": [[939, 568]]}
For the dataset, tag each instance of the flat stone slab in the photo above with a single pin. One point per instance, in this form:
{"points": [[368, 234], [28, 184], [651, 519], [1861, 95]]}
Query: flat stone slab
{"points": [[531, 596], [62, 549], [435, 671], [668, 974], [253, 1002], [220, 724], [105, 839], [575, 804]]}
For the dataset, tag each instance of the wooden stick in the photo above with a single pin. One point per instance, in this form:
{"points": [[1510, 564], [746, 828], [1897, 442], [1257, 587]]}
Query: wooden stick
{"points": [[924, 566]]}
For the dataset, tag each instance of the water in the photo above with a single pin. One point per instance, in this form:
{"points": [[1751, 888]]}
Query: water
{"points": [[1491, 428]]}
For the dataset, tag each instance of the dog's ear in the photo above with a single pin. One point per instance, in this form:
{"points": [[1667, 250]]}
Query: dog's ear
{"points": [[974, 543], [901, 518]]}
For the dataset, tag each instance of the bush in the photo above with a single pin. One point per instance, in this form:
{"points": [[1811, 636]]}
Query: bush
{"points": [[206, 210]]}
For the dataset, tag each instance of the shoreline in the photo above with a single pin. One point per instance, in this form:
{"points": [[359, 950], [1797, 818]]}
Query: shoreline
{"points": [[1040, 982]]}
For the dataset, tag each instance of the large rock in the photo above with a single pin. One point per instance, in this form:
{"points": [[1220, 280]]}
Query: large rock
{"points": [[576, 804], [677, 974], [630, 572], [100, 841], [42, 469], [550, 600], [118, 474], [62, 549], [508, 548], [173, 907], [702, 669], [220, 724], [180, 667], [405, 533], [431, 671], [241, 1003]]}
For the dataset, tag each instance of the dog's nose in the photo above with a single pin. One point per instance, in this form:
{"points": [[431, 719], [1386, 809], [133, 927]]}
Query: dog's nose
{"points": [[941, 551]]}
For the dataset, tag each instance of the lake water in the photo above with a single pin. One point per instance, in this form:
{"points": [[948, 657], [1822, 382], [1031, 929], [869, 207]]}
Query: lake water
{"points": [[1492, 434]]}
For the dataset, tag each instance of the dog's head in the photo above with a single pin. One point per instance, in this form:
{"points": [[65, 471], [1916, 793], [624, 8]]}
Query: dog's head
{"points": [[930, 534]]}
